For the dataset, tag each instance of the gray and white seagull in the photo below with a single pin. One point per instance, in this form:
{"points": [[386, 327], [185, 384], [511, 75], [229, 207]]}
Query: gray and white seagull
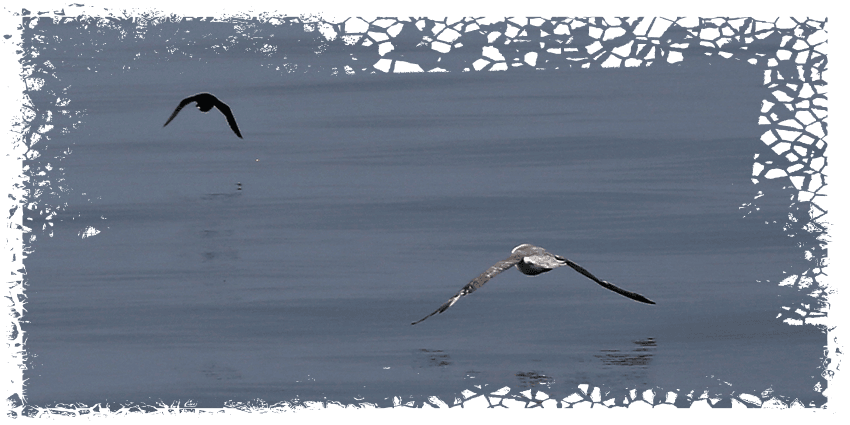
{"points": [[205, 102], [531, 260]]}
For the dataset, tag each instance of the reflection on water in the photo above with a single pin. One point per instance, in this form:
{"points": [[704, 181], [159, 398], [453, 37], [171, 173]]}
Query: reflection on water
{"points": [[435, 358], [640, 356], [530, 379]]}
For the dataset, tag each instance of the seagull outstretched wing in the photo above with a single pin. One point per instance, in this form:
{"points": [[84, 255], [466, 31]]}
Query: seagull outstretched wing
{"points": [[478, 282], [633, 295]]}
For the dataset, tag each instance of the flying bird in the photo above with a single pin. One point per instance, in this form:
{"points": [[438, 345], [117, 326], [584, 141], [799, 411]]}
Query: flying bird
{"points": [[205, 102], [531, 260]]}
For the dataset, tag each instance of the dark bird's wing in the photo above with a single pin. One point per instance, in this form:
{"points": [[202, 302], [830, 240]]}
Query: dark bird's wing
{"points": [[183, 103], [477, 283], [606, 285], [227, 114]]}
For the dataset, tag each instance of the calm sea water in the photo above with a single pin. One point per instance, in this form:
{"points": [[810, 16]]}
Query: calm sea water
{"points": [[366, 201]]}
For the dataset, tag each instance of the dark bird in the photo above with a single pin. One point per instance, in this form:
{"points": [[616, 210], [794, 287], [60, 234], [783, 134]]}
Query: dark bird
{"points": [[205, 102], [531, 260]]}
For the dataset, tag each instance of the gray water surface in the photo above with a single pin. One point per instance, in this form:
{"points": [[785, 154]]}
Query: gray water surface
{"points": [[366, 201]]}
